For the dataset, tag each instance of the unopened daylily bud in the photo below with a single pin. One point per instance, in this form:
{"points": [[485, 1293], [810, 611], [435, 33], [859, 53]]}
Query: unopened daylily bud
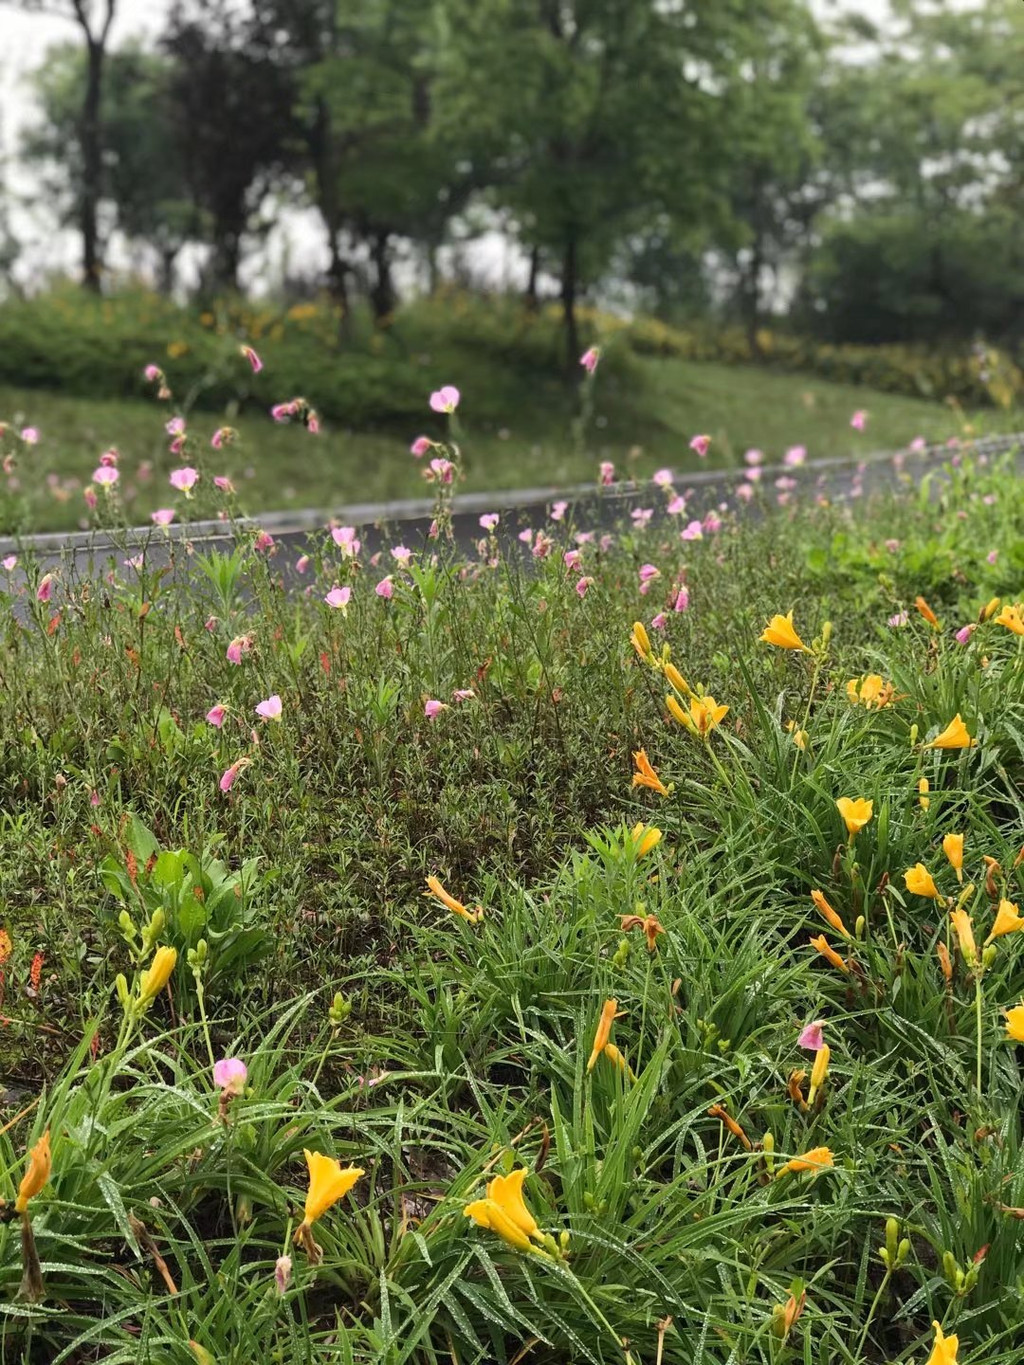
{"points": [[953, 1274], [127, 926], [892, 1237], [339, 1010], [859, 927], [988, 955], [913, 734], [621, 956], [121, 984], [902, 1251]]}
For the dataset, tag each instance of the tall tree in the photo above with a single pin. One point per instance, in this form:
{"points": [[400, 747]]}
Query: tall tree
{"points": [[95, 19]]}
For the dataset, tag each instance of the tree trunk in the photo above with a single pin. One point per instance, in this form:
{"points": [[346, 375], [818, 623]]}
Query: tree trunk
{"points": [[530, 298], [382, 292], [92, 165], [569, 287]]}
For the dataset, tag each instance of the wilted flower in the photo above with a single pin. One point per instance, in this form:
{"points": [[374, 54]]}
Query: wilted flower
{"points": [[456, 907], [37, 1173], [811, 1036], [282, 1274], [645, 776], [604, 1030], [253, 358], [650, 924]]}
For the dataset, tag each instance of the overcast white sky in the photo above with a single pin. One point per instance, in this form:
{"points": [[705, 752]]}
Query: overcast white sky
{"points": [[24, 39]]}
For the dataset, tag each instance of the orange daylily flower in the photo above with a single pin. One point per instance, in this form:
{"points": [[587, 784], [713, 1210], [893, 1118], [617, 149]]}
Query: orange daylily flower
{"points": [[945, 1348], [1008, 920], [919, 881], [604, 1031], [329, 1181], [1015, 1023], [456, 907], [965, 933], [504, 1211], [819, 1071], [650, 924], [645, 838], [954, 736], [157, 975], [829, 953], [871, 691], [704, 715], [37, 1173], [830, 915], [1012, 617], [953, 848], [645, 776], [926, 612], [781, 632], [717, 1112]]}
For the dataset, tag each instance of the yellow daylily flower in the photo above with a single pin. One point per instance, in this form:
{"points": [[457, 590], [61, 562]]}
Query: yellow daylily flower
{"points": [[945, 1348], [645, 776], [1008, 920], [640, 641], [856, 812], [487, 1214], [871, 691], [645, 838], [831, 916], [1012, 617], [918, 880], [953, 848], [954, 736], [798, 736], [965, 933], [37, 1173], [329, 1181], [819, 1071], [781, 632], [507, 1192], [1015, 1023], [705, 713], [456, 907], [817, 1159], [157, 975], [604, 1031]]}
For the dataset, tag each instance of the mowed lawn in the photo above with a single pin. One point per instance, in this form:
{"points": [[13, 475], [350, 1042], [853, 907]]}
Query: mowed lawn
{"points": [[642, 419]]}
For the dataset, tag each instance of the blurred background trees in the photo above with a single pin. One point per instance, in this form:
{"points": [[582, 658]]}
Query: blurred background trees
{"points": [[706, 161]]}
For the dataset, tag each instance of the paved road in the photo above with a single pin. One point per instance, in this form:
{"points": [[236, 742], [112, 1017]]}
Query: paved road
{"points": [[88, 554]]}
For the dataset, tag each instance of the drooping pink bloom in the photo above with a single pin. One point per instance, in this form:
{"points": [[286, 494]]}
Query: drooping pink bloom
{"points": [[859, 420], [682, 598], [238, 647], [526, 536], [811, 1036], [177, 445], [463, 694], [542, 546], [264, 542], [420, 446], [640, 517], [692, 531], [489, 520], [712, 522], [110, 457], [345, 539], [558, 510], [660, 621], [590, 357], [270, 709], [440, 469], [210, 624], [649, 571], [152, 373], [106, 476], [571, 559], [582, 585], [222, 482], [606, 542], [30, 436], [992, 556], [606, 473], [282, 1274], [136, 562], [963, 635], [184, 480], [89, 495], [433, 708], [302, 564], [434, 530], [385, 588], [229, 1075], [163, 516], [401, 554], [94, 798], [253, 358], [676, 506], [175, 426], [230, 776], [45, 590], [215, 715], [445, 399], [701, 444], [10, 562], [282, 411]]}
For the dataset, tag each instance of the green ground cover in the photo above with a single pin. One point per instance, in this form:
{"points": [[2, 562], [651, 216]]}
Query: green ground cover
{"points": [[433, 1050]]}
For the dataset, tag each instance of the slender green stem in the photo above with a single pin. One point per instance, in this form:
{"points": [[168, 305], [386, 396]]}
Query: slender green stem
{"points": [[977, 1020], [871, 1313]]}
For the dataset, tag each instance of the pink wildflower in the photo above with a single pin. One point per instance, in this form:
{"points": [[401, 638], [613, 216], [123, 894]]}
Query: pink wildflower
{"points": [[253, 358], [992, 556], [282, 411], [215, 715], [229, 1075], [640, 516], [10, 562], [45, 590], [440, 469], [463, 694], [385, 588], [110, 457], [660, 621], [795, 456], [420, 446], [345, 539], [264, 542], [676, 506], [917, 445], [558, 510], [606, 473], [754, 456], [445, 399], [526, 536], [693, 531], [745, 491], [240, 645], [302, 564], [230, 776], [338, 597], [590, 357], [571, 559], [682, 598], [963, 635], [152, 373], [184, 480], [542, 546], [433, 708], [401, 554], [712, 523], [313, 424], [859, 420], [30, 436], [900, 619], [175, 426], [91, 500], [811, 1036], [582, 586], [222, 482], [489, 520], [270, 709], [662, 478], [701, 444]]}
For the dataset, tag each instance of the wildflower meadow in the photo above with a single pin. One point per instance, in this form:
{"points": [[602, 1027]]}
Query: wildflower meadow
{"points": [[584, 943]]}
